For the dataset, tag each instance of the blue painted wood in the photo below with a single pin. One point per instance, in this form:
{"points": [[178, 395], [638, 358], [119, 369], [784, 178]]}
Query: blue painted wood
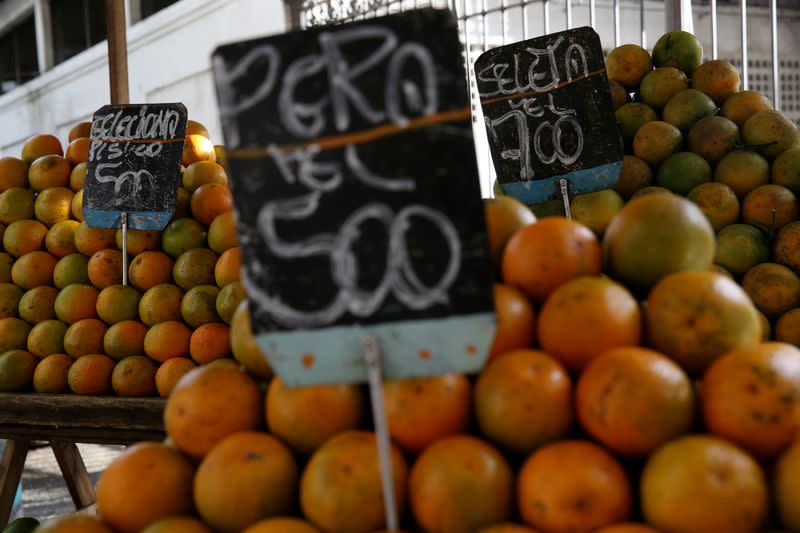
{"points": [[580, 182]]}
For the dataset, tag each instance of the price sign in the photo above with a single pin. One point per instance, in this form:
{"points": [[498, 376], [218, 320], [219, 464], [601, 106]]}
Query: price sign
{"points": [[134, 165], [357, 198], [548, 114]]}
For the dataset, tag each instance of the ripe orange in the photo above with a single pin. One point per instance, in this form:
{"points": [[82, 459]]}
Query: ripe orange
{"points": [[574, 486], [76, 302], [340, 489], [227, 268], [71, 269], [13, 173], [544, 255], [84, 337], [40, 145], [634, 176], [628, 64], [139, 241], [631, 117], [116, 303], [785, 487], [619, 391], [77, 206], [6, 262], [742, 171], [627, 527], [33, 269], [222, 232], [243, 344], [47, 338], [91, 375], [50, 375], [165, 340], [134, 376], [718, 79], [161, 303], [194, 267], [78, 151], [786, 170], [505, 215], [209, 342], [149, 269], [741, 106], [228, 300], [89, 240], [202, 173], [105, 268], [772, 206], [53, 205], [516, 320], [596, 209], [60, 239], [699, 484], [199, 305], [713, 138], [38, 304], [145, 483], [787, 327], [211, 200], [24, 236], [209, 403], [81, 129], [247, 477], [460, 484], [170, 372], [177, 524], [619, 95], [16, 204], [506, 528], [523, 400], [197, 148], [655, 141], [282, 525], [77, 178], [773, 288], [17, 368], [73, 524], [49, 171], [10, 295], [661, 84], [13, 334], [771, 133], [124, 339], [740, 247], [718, 203]]}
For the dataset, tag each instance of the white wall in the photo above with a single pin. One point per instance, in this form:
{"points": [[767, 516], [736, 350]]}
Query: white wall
{"points": [[168, 60]]}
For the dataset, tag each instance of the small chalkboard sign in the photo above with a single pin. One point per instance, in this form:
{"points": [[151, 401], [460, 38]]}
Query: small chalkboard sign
{"points": [[548, 113], [134, 165], [357, 198]]}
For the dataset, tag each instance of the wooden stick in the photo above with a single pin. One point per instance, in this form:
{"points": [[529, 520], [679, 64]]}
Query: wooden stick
{"points": [[11, 465], [74, 472], [117, 51]]}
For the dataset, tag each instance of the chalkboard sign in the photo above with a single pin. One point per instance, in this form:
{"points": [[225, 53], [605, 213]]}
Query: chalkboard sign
{"points": [[357, 198], [548, 113], [134, 165]]}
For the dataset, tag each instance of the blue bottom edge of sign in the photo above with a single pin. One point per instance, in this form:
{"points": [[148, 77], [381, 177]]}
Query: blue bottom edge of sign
{"points": [[580, 182], [414, 348], [146, 220]]}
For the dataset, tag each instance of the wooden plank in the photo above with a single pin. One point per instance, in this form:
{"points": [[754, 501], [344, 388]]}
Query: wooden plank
{"points": [[74, 472], [89, 436], [11, 465], [117, 51]]}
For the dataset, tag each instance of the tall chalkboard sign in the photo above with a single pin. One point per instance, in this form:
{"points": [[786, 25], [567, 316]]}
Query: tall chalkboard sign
{"points": [[357, 197], [134, 165], [548, 114]]}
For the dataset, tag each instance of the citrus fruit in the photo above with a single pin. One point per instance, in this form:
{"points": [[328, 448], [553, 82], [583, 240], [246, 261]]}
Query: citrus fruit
{"points": [[149, 269], [197, 148], [71, 269], [24, 236], [13, 173], [773, 288], [228, 300], [48, 171], [656, 141], [116, 303], [619, 95], [194, 267], [203, 173], [282, 525], [60, 239], [177, 524], [631, 117], [170, 372], [243, 344], [124, 339], [222, 232], [786, 247], [740, 247], [686, 108], [139, 241], [742, 171], [785, 487], [683, 171], [105, 268], [596, 209], [181, 235], [679, 49], [84, 337], [718, 79], [47, 338], [16, 204], [718, 203], [13, 334], [713, 138], [90, 240], [50, 375], [786, 170], [91, 375], [166, 340], [210, 342], [504, 216], [77, 178], [10, 295], [661, 84], [16, 370], [634, 176], [515, 325], [76, 302], [771, 133], [134, 376], [199, 305], [38, 304], [53, 205], [73, 524], [741, 106], [210, 200]]}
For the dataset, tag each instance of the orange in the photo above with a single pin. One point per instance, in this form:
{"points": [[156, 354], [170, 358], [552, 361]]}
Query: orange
{"points": [[13, 173], [523, 400], [50, 375], [105, 268], [89, 241], [661, 84], [16, 204], [773, 288], [631, 117], [305, 417], [77, 206], [634, 176], [177, 524], [786, 170], [78, 151], [228, 300], [73, 524], [209, 342], [787, 327], [211, 200], [699, 484], [24, 236], [13, 334], [718, 79], [763, 421], [40, 145], [197, 148], [10, 295], [49, 171], [505, 215], [181, 235], [740, 247], [282, 525], [243, 344], [166, 340], [6, 262], [116, 303], [76, 302], [713, 138], [209, 403], [574, 486], [17, 368], [247, 477], [785, 487], [134, 376], [460, 484], [741, 106], [196, 128], [683, 171], [139, 241], [91, 375], [742, 171], [124, 339], [506, 528], [656, 235], [687, 107], [72, 268], [340, 489], [771, 133], [619, 391], [33, 269], [695, 317], [194, 267], [515, 320], [60, 239], [718, 203], [161, 303], [766, 327], [203, 173], [654, 189], [199, 305], [544, 255], [182, 204], [222, 155], [148, 481], [38, 304], [222, 232], [619, 95], [585, 317], [81, 129], [149, 269], [627, 527], [227, 268], [772, 206], [46, 338], [421, 411], [84, 337], [170, 372], [678, 49], [656, 141], [628, 64], [596, 209], [77, 178]]}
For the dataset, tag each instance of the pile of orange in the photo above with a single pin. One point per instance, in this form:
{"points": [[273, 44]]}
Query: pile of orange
{"points": [[68, 324]]}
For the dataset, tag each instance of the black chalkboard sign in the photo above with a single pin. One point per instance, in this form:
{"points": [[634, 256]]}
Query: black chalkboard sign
{"points": [[134, 165], [548, 113], [357, 197]]}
